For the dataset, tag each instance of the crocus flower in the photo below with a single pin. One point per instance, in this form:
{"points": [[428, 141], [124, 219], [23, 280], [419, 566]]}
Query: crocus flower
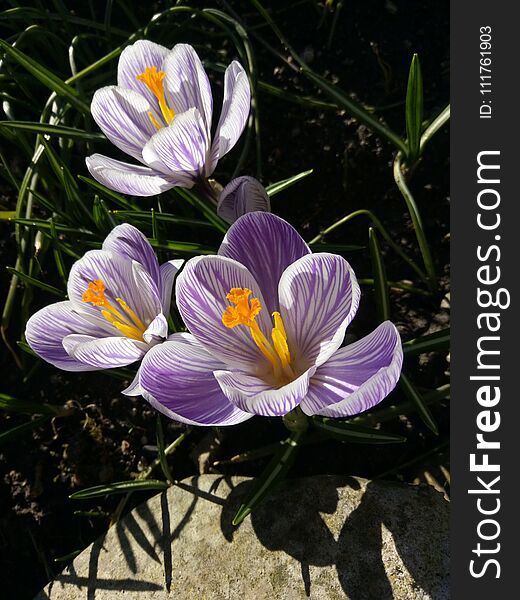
{"points": [[240, 196], [160, 113], [118, 299], [267, 321]]}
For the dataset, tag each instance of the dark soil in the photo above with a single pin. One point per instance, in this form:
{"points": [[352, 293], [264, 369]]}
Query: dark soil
{"points": [[110, 437]]}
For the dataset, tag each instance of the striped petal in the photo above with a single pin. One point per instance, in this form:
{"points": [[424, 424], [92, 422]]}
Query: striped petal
{"points": [[358, 376], [168, 272], [122, 115], [125, 178], [157, 331], [186, 83], [234, 115], [128, 241], [122, 277], [242, 195], [176, 377], [104, 353], [180, 149], [266, 245], [46, 329], [254, 395], [319, 296], [134, 61], [201, 290]]}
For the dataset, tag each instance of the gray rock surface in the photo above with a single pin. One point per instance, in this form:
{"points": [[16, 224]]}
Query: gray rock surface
{"points": [[324, 538]]}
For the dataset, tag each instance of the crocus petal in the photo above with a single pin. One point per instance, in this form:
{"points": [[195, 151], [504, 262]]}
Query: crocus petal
{"points": [[168, 272], [254, 395], [319, 296], [128, 241], [104, 353], [125, 178], [242, 195], [358, 376], [123, 278], [180, 149], [266, 245], [134, 61], [46, 329], [122, 115], [134, 389], [176, 377], [234, 115], [186, 83], [157, 331], [201, 290]]}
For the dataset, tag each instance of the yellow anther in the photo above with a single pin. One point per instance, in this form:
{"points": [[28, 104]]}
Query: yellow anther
{"points": [[245, 312], [131, 327], [154, 81]]}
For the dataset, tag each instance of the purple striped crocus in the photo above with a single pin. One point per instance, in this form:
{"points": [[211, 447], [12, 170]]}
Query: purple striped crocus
{"points": [[119, 297], [267, 320], [240, 196], [160, 113]]}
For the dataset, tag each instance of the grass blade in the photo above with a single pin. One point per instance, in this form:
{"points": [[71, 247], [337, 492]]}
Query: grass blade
{"points": [[36, 282], [434, 342], [15, 432], [279, 186], [345, 431], [421, 406], [380, 281], [414, 109], [52, 130], [272, 475], [121, 487]]}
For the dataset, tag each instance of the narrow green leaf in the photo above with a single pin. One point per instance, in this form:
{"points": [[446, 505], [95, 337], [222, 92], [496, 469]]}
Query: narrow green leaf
{"points": [[182, 247], [203, 207], [345, 431], [422, 408], [32, 408], [380, 281], [121, 487], [45, 225], [279, 186], [45, 76], [146, 215], [272, 475], [336, 248], [440, 120], [16, 432], [53, 130], [7, 215], [36, 282], [414, 109], [160, 450], [434, 342]]}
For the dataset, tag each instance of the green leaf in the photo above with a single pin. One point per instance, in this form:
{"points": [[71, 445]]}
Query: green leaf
{"points": [[345, 431], [45, 76], [279, 186], [36, 282], [146, 215], [53, 130], [182, 247], [422, 408], [440, 120], [16, 432], [272, 475], [203, 207], [7, 215], [27, 407], [434, 342], [414, 109], [336, 248], [380, 281], [45, 225], [121, 487], [160, 449]]}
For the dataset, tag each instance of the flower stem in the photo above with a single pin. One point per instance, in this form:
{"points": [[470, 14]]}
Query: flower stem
{"points": [[296, 421]]}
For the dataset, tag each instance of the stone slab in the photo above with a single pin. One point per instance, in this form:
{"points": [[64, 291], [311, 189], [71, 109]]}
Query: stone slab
{"points": [[323, 538]]}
